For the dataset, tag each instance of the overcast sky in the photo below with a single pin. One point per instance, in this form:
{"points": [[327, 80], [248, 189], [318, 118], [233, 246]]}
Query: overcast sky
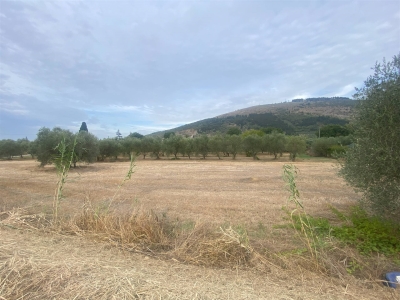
{"points": [[146, 66]]}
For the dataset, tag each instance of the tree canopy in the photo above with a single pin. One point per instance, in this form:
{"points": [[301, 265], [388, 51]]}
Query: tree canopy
{"points": [[136, 135], [373, 164], [83, 127], [332, 130]]}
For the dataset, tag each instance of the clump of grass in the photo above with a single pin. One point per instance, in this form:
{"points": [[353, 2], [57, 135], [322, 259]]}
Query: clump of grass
{"points": [[138, 229], [207, 247]]}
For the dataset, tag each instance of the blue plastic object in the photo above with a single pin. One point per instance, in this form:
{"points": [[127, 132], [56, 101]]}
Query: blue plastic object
{"points": [[392, 279]]}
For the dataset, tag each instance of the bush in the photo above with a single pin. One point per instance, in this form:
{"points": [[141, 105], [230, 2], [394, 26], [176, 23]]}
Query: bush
{"points": [[336, 150], [321, 147]]}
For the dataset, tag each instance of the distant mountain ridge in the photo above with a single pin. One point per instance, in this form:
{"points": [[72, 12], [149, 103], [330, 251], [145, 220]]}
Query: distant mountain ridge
{"points": [[300, 116]]}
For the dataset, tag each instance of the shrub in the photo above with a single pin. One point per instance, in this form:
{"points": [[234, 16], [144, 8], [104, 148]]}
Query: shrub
{"points": [[321, 147]]}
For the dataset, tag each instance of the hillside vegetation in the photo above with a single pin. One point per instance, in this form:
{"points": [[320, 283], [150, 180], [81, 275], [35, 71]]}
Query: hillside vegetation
{"points": [[301, 116]]}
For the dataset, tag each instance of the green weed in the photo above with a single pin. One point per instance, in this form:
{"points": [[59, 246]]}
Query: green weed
{"points": [[369, 234]]}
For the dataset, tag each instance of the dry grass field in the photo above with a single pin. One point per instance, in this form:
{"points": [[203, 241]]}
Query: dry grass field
{"points": [[242, 191], [247, 195]]}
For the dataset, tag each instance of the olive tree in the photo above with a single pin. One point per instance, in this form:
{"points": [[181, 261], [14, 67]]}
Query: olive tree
{"points": [[189, 146], [372, 165], [86, 148], [156, 147], [276, 143], [109, 148], [23, 146], [295, 145], [174, 144], [146, 146], [252, 144], [234, 145], [47, 141], [201, 145], [216, 145], [131, 145], [9, 148]]}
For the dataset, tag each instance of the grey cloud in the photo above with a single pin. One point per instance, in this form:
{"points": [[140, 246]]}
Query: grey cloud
{"points": [[198, 59]]}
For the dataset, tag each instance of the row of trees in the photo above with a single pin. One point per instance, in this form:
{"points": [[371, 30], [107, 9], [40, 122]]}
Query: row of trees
{"points": [[44, 147], [10, 148], [89, 149], [249, 142]]}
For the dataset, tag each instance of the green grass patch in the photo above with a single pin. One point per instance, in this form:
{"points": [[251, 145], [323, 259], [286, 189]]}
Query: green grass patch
{"points": [[369, 234], [366, 233]]}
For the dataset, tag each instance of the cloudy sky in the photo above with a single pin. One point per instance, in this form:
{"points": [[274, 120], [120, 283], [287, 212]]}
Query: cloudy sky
{"points": [[149, 65]]}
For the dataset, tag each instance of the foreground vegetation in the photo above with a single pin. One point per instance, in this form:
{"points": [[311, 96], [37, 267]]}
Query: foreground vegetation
{"points": [[305, 244]]}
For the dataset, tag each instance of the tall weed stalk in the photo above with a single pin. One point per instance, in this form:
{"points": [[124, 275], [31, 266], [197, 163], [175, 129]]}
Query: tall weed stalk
{"points": [[299, 217], [126, 178], [63, 161]]}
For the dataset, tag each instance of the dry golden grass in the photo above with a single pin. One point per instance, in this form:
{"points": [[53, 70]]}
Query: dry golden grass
{"points": [[36, 266], [208, 213], [245, 191]]}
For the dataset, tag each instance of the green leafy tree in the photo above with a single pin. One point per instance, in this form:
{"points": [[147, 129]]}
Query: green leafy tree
{"points": [[276, 143], [136, 135], [234, 131], [201, 145], [253, 132], [146, 146], [252, 144], [321, 146], [269, 130], [156, 147], [83, 127], [372, 165], [86, 148], [189, 147], [169, 134], [131, 145], [33, 148], [23, 146], [9, 148], [295, 145], [47, 140], [234, 145], [332, 131], [174, 145], [109, 148], [216, 145]]}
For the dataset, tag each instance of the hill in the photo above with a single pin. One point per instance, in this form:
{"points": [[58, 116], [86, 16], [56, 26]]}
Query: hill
{"points": [[300, 116]]}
